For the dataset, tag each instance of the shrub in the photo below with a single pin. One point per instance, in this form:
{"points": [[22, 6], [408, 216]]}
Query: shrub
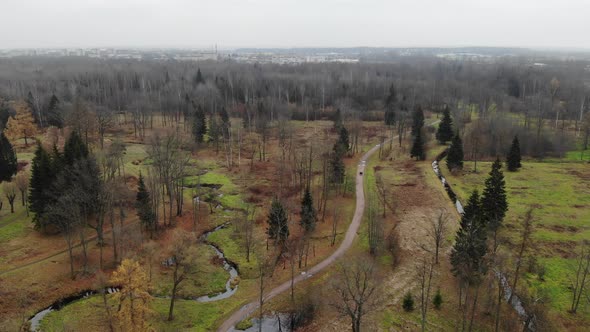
{"points": [[244, 325], [437, 300], [408, 303]]}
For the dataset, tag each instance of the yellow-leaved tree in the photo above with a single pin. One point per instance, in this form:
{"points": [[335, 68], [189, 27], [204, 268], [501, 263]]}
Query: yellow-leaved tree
{"points": [[133, 301], [22, 125]]}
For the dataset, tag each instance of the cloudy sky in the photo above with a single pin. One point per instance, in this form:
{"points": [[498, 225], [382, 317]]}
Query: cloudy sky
{"points": [[294, 23]]}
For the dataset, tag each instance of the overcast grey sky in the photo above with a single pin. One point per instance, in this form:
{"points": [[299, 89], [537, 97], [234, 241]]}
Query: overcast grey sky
{"points": [[294, 23]]}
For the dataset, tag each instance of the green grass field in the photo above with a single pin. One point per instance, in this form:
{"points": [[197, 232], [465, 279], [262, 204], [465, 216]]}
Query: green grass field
{"points": [[559, 195]]}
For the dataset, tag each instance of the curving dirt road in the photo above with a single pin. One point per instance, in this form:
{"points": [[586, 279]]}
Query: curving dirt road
{"points": [[249, 308]]}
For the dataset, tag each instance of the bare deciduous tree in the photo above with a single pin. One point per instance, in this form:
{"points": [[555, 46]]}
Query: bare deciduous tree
{"points": [[356, 288]]}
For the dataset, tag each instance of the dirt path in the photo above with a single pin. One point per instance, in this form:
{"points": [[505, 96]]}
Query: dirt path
{"points": [[249, 308], [90, 239]]}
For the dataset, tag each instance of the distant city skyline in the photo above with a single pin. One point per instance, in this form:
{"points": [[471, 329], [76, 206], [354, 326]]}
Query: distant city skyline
{"points": [[234, 24]]}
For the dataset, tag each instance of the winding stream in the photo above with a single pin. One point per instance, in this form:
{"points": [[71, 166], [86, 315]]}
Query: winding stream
{"points": [[35, 320], [515, 301]]}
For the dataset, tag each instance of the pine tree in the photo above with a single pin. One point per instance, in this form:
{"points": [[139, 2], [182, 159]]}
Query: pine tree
{"points": [[4, 115], [467, 255], [338, 120], [417, 121], [392, 96], [278, 226], [143, 204], [493, 203], [308, 212], [342, 146], [199, 125], [42, 176], [455, 155], [445, 129], [199, 77], [74, 149], [389, 117], [513, 158], [54, 118], [8, 162], [418, 148], [337, 168], [437, 301]]}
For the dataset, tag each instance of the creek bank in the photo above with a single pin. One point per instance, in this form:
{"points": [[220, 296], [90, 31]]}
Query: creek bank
{"points": [[513, 299]]}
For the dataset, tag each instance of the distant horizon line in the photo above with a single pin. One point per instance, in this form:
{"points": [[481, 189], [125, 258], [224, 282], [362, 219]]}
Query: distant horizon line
{"points": [[229, 48]]}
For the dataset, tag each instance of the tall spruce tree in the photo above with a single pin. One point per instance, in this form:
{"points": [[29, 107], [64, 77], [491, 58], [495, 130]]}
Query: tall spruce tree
{"points": [[338, 120], [54, 118], [8, 162], [278, 223], [389, 117], [337, 168], [42, 176], [199, 124], [455, 155], [493, 202], [467, 255], [143, 204], [342, 146], [417, 120], [308, 212], [513, 158], [74, 149], [445, 129], [418, 147]]}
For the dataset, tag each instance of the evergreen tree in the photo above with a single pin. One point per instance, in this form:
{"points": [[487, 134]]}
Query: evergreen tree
{"points": [[513, 158], [54, 118], [408, 302], [437, 301], [417, 121], [337, 168], [338, 120], [342, 145], [445, 129], [74, 149], [418, 148], [278, 224], [42, 176], [493, 203], [199, 125], [467, 255], [143, 204], [455, 155], [8, 162], [389, 117], [308, 212], [199, 77], [392, 96], [224, 117], [4, 114], [214, 130]]}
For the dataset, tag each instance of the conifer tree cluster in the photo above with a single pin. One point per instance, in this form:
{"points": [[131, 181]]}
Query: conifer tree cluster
{"points": [[455, 155], [8, 162], [513, 159], [278, 223], [308, 212], [55, 177], [445, 129], [418, 150]]}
